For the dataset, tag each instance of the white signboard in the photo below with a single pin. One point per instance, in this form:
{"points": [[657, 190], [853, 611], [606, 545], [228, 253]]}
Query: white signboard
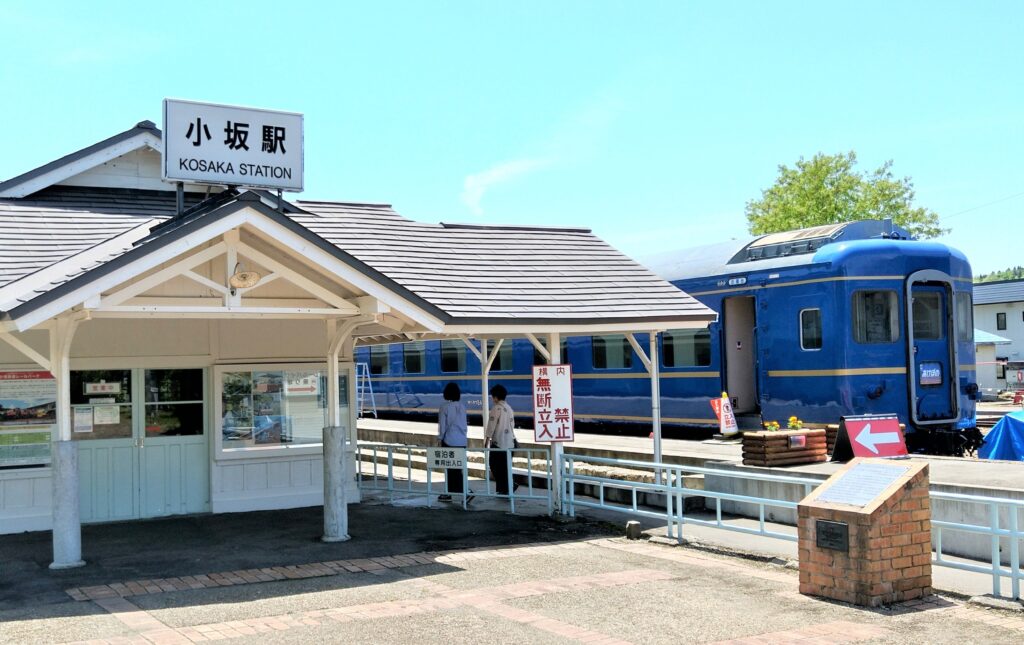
{"points": [[442, 458], [552, 403], [103, 388], [223, 144], [106, 415]]}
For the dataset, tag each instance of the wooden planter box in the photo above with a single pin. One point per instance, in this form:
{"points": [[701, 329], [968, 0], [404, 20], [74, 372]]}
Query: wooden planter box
{"points": [[784, 447], [831, 433]]}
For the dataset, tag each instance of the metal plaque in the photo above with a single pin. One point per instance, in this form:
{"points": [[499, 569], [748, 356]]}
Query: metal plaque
{"points": [[860, 485], [832, 535]]}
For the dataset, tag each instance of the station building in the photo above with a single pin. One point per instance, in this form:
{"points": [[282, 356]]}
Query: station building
{"points": [[160, 359]]}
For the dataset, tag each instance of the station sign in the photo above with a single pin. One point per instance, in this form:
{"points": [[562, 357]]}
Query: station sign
{"points": [[876, 435], [208, 143], [552, 403]]}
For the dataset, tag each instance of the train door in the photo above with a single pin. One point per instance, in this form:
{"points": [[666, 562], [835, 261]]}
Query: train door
{"points": [[931, 344], [738, 322]]}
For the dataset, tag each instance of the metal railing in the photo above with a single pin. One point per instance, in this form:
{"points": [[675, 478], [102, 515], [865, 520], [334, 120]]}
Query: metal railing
{"points": [[996, 532], [669, 480], [389, 468]]}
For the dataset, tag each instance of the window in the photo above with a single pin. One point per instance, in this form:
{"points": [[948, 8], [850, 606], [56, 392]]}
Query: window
{"points": [[101, 404], [538, 358], [379, 355], [875, 317], [810, 329], [686, 348], [964, 317], [1001, 367], [174, 402], [1001, 321], [611, 352], [413, 357], [269, 407], [453, 356], [928, 315], [503, 358]]}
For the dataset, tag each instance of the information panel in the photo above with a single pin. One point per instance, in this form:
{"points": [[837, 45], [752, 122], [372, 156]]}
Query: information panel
{"points": [[444, 457], [862, 483], [27, 398], [230, 145]]}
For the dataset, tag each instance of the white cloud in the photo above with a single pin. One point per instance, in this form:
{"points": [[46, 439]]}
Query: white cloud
{"points": [[577, 137], [476, 185]]}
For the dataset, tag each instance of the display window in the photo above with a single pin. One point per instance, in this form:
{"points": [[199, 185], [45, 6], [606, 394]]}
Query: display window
{"points": [[267, 407]]}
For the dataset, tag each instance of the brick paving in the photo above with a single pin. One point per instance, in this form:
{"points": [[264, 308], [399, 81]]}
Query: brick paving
{"points": [[433, 596]]}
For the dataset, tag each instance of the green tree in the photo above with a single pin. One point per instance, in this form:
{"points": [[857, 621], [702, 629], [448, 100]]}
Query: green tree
{"points": [[828, 189], [1014, 273]]}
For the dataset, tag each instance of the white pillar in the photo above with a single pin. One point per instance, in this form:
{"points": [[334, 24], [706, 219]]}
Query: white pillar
{"points": [[485, 382], [67, 525], [655, 371], [335, 498], [555, 358]]}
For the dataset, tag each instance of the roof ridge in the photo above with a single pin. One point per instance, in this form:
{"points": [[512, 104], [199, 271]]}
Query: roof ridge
{"points": [[518, 227]]}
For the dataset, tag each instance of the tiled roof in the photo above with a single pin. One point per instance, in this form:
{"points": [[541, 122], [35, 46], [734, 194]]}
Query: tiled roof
{"points": [[494, 272], [988, 293], [468, 274]]}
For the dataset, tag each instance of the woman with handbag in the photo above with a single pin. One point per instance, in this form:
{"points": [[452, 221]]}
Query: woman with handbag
{"points": [[499, 436]]}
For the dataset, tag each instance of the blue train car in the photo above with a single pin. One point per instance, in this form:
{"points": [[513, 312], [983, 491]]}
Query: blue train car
{"points": [[851, 318]]}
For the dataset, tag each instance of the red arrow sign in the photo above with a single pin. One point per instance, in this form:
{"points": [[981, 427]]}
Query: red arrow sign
{"points": [[878, 437]]}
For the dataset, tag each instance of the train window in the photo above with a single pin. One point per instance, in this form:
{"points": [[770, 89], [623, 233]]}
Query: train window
{"points": [[503, 358], [810, 329], [413, 357], [612, 352], [875, 317], [538, 358], [964, 317], [928, 315], [453, 356], [686, 348], [1001, 321], [379, 359]]}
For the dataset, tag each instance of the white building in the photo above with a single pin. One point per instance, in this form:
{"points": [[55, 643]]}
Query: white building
{"points": [[157, 362], [999, 310]]}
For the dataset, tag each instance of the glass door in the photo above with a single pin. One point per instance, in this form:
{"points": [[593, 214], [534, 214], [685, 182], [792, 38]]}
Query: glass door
{"points": [[143, 450]]}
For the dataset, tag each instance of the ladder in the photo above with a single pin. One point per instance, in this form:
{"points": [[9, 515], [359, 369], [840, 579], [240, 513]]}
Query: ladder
{"points": [[364, 386]]}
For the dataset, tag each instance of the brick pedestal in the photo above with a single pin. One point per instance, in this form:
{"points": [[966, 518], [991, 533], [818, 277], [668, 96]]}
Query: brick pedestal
{"points": [[888, 558]]}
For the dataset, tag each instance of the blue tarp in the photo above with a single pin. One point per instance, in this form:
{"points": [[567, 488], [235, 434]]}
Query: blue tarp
{"points": [[1006, 439]]}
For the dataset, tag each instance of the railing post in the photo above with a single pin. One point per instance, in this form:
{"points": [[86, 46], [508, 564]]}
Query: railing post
{"points": [[993, 512], [1015, 538]]}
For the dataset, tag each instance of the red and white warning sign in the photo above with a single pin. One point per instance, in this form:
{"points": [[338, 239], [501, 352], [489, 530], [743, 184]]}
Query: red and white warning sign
{"points": [[552, 403], [726, 419]]}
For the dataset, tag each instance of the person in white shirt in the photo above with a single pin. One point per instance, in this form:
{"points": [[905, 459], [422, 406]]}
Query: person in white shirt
{"points": [[499, 435]]}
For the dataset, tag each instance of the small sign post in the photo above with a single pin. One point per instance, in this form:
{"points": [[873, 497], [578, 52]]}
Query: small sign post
{"points": [[228, 145], [552, 403]]}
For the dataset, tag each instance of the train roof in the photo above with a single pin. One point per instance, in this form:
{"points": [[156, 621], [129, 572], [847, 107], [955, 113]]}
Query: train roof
{"points": [[774, 250]]}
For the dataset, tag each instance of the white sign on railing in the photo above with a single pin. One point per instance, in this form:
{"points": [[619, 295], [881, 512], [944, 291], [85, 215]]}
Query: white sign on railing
{"points": [[443, 458], [552, 403], [223, 144]]}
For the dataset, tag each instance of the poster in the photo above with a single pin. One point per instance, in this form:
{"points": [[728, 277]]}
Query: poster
{"points": [[27, 398], [105, 415], [82, 419]]}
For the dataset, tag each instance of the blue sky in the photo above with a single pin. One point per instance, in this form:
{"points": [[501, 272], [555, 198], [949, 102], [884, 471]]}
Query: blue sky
{"points": [[651, 123]]}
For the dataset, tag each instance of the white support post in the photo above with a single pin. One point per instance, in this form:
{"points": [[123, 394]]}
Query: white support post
{"points": [[336, 435], [485, 385], [67, 525], [655, 370], [554, 358]]}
